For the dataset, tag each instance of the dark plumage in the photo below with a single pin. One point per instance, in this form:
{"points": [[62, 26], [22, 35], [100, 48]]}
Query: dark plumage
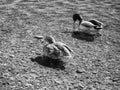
{"points": [[77, 17], [94, 22]]}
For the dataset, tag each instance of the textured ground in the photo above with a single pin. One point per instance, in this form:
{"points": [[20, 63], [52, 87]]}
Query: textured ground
{"points": [[95, 64]]}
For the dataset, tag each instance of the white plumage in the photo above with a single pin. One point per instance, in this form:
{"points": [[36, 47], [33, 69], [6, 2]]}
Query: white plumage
{"points": [[86, 26]]}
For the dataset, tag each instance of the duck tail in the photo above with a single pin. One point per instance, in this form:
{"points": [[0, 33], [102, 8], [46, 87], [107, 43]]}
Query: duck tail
{"points": [[97, 28]]}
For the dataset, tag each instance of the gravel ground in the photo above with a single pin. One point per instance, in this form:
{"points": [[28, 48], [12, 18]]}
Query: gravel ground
{"points": [[96, 61]]}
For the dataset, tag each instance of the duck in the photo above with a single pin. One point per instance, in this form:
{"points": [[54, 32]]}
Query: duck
{"points": [[86, 26], [56, 50]]}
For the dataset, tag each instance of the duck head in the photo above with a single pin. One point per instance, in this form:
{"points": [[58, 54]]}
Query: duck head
{"points": [[49, 39], [77, 17]]}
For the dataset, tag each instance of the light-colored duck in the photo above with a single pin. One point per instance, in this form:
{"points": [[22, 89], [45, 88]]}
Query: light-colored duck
{"points": [[56, 50]]}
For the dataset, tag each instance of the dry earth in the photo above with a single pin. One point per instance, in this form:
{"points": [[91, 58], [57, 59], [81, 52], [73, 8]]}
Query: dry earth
{"points": [[95, 64]]}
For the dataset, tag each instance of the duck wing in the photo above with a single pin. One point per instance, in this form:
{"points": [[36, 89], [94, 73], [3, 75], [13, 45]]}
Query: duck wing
{"points": [[97, 23], [66, 46], [65, 50]]}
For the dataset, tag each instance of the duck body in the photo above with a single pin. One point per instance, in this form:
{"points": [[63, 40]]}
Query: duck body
{"points": [[65, 50], [88, 27], [51, 51]]}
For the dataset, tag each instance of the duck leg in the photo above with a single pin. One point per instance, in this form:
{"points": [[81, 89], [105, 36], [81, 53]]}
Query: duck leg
{"points": [[74, 25]]}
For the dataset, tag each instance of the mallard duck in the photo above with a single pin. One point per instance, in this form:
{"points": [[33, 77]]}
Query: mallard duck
{"points": [[56, 50], [83, 25], [91, 26]]}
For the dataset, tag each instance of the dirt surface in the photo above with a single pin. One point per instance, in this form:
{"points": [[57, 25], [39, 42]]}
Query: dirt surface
{"points": [[96, 61]]}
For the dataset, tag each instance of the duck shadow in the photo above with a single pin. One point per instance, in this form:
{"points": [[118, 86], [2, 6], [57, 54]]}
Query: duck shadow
{"points": [[49, 62], [84, 36]]}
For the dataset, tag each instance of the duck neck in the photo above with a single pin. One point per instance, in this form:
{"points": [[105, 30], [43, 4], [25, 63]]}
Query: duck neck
{"points": [[51, 42], [80, 20]]}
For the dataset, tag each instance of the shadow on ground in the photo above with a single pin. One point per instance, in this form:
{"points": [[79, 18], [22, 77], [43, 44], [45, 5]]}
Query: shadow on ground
{"points": [[83, 35], [48, 62]]}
